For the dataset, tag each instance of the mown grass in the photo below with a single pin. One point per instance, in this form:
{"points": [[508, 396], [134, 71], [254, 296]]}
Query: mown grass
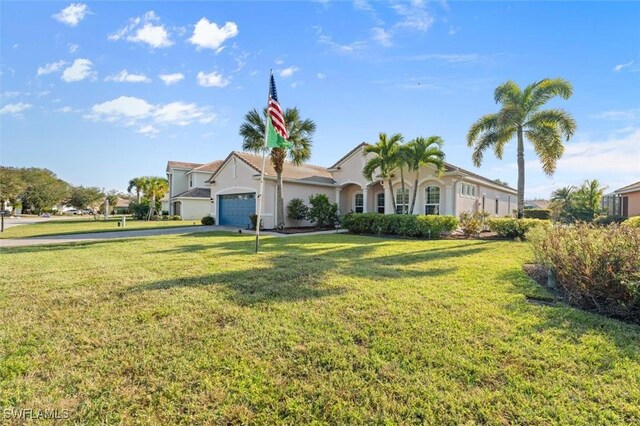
{"points": [[81, 226], [333, 329]]}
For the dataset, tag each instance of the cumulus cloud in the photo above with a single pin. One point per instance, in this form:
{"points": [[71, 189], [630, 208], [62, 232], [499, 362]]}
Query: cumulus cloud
{"points": [[124, 77], [213, 79], [288, 72], [72, 14], [381, 36], [207, 35], [145, 29], [170, 79], [49, 68], [79, 70], [15, 109], [130, 111]]}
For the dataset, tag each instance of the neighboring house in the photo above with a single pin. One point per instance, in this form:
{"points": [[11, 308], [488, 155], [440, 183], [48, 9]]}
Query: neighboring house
{"points": [[624, 201], [536, 204], [227, 189], [122, 207]]}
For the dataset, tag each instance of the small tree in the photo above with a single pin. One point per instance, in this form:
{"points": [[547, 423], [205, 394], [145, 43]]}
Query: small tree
{"points": [[322, 213], [297, 210]]}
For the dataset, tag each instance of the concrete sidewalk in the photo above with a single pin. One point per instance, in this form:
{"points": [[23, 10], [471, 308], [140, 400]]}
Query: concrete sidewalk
{"points": [[105, 236]]}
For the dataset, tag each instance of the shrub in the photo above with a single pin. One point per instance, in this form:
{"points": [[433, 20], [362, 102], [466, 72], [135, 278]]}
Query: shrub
{"points": [[297, 210], [597, 268], [254, 218], [544, 214], [471, 224], [207, 220], [608, 220], [322, 213], [634, 222], [178, 217], [515, 228], [425, 226]]}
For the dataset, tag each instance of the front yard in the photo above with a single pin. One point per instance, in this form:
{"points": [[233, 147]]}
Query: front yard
{"points": [[333, 328]]}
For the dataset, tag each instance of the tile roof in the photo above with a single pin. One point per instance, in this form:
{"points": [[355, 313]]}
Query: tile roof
{"points": [[629, 188], [182, 165], [208, 167], [195, 193], [303, 172]]}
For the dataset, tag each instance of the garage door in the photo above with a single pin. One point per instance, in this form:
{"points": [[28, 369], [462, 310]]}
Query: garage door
{"points": [[235, 209]]}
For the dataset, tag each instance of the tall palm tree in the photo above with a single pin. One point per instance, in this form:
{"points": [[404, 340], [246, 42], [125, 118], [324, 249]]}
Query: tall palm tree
{"points": [[386, 150], [138, 184], [520, 115], [402, 161], [154, 188], [420, 152], [589, 199], [300, 136]]}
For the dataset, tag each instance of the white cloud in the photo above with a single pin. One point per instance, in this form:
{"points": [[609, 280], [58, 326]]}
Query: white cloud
{"points": [[72, 14], [213, 79], [340, 48], [10, 94], [450, 58], [49, 68], [453, 30], [148, 130], [620, 115], [123, 107], [65, 109], [73, 47], [320, 76], [170, 79], [414, 16], [279, 61], [79, 70], [182, 114], [124, 77], [15, 109], [288, 72], [207, 35], [362, 5], [619, 67], [144, 30], [381, 36]]}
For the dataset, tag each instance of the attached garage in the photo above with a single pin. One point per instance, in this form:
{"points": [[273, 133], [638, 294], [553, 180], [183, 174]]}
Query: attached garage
{"points": [[236, 209]]}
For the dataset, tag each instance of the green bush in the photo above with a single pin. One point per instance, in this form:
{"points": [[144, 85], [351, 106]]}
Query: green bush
{"points": [[322, 213], [597, 268], [423, 226], [178, 217], [207, 220], [633, 222], [544, 214], [608, 220], [515, 228], [254, 218], [297, 210]]}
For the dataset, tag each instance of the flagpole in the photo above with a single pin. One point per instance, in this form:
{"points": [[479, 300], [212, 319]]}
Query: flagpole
{"points": [[264, 160]]}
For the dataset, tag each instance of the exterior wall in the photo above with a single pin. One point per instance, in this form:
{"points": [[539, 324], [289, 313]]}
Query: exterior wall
{"points": [[199, 179], [468, 203], [178, 182], [347, 198], [195, 208], [351, 169], [634, 203]]}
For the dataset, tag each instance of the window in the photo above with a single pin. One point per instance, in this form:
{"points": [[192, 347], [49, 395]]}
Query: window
{"points": [[380, 203], [473, 190], [497, 205], [359, 204], [432, 200], [483, 203], [190, 181], [402, 202]]}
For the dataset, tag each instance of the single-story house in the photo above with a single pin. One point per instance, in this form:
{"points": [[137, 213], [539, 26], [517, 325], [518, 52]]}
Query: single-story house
{"points": [[624, 201], [226, 189]]}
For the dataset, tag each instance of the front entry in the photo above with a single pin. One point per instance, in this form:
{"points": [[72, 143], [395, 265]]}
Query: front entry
{"points": [[236, 209]]}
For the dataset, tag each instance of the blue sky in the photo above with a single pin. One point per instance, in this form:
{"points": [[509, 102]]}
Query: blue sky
{"points": [[100, 92]]}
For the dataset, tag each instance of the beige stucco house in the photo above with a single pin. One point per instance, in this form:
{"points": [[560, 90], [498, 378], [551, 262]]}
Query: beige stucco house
{"points": [[227, 189]]}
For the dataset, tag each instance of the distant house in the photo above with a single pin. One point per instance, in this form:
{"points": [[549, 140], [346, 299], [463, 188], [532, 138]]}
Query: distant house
{"points": [[122, 207], [536, 204], [624, 201], [226, 189]]}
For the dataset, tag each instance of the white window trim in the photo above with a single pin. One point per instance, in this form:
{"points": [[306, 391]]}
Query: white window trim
{"points": [[377, 202], [426, 198], [407, 196], [355, 197]]}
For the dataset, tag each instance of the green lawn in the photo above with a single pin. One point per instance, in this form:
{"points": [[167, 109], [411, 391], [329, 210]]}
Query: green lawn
{"points": [[333, 329], [81, 226]]}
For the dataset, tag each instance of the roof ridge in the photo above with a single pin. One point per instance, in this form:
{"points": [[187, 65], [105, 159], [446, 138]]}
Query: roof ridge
{"points": [[286, 161]]}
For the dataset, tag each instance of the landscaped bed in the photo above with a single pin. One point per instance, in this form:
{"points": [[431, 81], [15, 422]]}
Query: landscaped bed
{"points": [[337, 329], [81, 226]]}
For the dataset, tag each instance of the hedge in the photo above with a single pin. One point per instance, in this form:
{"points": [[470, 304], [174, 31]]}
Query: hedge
{"points": [[544, 214], [515, 228], [633, 222], [403, 225]]}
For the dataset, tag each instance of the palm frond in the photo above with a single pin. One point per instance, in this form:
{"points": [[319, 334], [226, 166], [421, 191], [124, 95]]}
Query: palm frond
{"points": [[547, 144], [559, 117], [508, 93], [546, 89], [485, 123]]}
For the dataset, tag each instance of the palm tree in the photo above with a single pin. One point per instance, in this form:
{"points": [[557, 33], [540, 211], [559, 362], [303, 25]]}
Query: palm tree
{"points": [[138, 184], [386, 150], [561, 203], [588, 200], [154, 188], [422, 151], [300, 136], [520, 115], [402, 160]]}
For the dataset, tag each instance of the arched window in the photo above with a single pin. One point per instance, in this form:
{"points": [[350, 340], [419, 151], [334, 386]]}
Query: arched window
{"points": [[380, 203], [359, 203], [432, 200], [402, 203]]}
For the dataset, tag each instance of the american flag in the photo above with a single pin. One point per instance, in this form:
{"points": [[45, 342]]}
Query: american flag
{"points": [[275, 112]]}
